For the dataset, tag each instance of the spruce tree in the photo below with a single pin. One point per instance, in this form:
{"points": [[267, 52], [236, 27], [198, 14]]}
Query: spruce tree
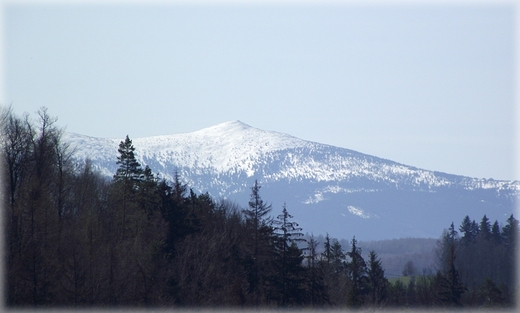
{"points": [[129, 170], [452, 287], [356, 269], [449, 239], [496, 234], [288, 234], [469, 230], [316, 287], [293, 287], [485, 228], [510, 242], [338, 258], [377, 282], [259, 250], [510, 233], [127, 178], [334, 271], [326, 254], [148, 192]]}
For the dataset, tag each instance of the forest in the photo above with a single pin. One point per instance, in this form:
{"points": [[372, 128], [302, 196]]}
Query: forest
{"points": [[76, 239]]}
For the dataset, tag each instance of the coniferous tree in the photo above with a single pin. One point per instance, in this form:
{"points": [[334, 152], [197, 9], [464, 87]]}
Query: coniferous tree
{"points": [[496, 234], [469, 231], [377, 282], [452, 288], [289, 274], [335, 273], [326, 254], [356, 269], [316, 286], [287, 230], [175, 215], [510, 241], [149, 200], [65, 246], [338, 261], [127, 178], [293, 289], [485, 228], [129, 170], [448, 241], [259, 224], [510, 233]]}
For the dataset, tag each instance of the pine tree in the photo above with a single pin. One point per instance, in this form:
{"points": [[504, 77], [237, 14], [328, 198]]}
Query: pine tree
{"points": [[148, 192], [326, 254], [496, 234], [257, 213], [485, 228], [129, 170], [287, 236], [469, 231], [338, 258], [175, 213], [259, 225], [510, 233], [287, 230], [356, 269], [448, 241], [293, 288], [316, 287], [333, 267], [452, 287], [127, 178], [377, 282], [510, 242]]}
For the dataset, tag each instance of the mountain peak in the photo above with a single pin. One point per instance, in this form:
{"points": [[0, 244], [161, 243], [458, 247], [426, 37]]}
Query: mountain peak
{"points": [[236, 123], [330, 189], [230, 126]]}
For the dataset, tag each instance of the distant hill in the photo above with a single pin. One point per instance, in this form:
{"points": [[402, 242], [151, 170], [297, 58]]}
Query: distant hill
{"points": [[326, 188], [395, 253]]}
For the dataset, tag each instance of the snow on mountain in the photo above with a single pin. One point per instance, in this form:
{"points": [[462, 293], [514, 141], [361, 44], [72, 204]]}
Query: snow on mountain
{"points": [[226, 159], [234, 147]]}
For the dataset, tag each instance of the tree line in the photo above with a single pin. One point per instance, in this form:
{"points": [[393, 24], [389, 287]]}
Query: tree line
{"points": [[76, 239]]}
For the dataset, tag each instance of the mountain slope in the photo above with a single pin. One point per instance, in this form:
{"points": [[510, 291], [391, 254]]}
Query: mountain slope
{"points": [[327, 189]]}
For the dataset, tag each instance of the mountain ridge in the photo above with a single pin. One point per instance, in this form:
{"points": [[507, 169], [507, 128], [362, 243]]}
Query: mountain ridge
{"points": [[225, 159]]}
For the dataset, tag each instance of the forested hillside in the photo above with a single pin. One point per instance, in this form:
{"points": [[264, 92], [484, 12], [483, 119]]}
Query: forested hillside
{"points": [[76, 239], [330, 189], [396, 253]]}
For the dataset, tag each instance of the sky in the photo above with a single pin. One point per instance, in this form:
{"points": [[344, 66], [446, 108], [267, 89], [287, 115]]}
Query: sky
{"points": [[427, 85]]}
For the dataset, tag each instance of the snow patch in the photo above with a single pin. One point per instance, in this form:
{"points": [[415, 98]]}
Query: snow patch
{"points": [[359, 212]]}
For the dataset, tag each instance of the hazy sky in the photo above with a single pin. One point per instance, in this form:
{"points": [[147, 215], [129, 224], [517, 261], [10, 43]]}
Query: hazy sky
{"points": [[424, 85]]}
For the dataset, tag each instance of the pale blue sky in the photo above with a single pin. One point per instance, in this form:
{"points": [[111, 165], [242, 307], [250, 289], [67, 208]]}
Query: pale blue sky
{"points": [[428, 86]]}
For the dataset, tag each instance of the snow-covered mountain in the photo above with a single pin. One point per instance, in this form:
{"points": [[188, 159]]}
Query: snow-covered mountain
{"points": [[326, 188]]}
